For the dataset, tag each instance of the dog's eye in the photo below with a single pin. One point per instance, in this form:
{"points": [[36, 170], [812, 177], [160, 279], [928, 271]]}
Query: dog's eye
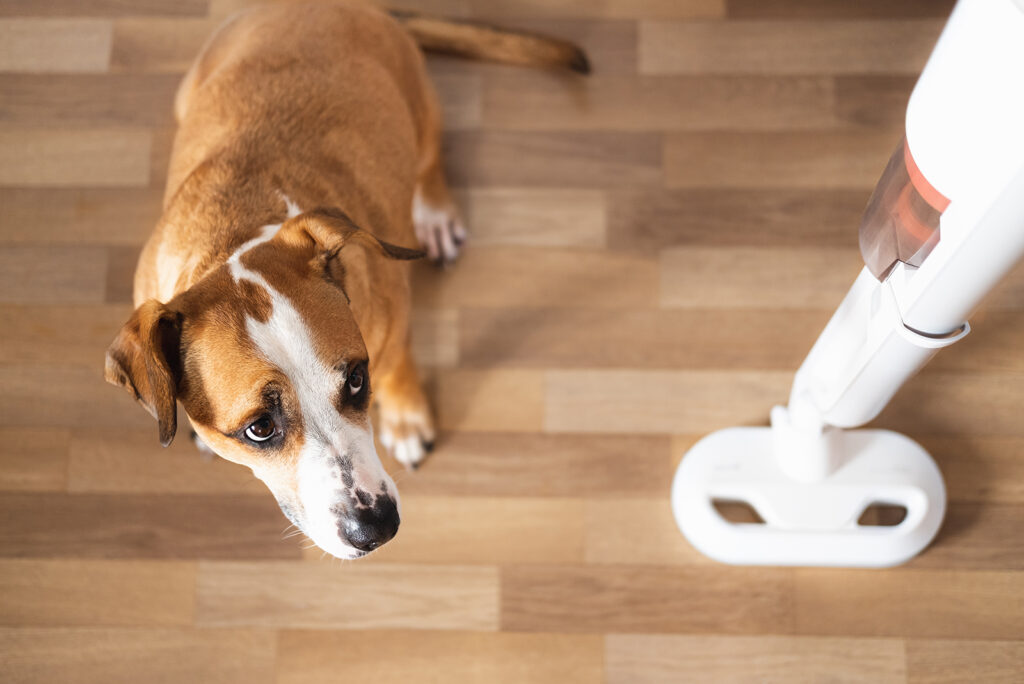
{"points": [[262, 430], [356, 380]]}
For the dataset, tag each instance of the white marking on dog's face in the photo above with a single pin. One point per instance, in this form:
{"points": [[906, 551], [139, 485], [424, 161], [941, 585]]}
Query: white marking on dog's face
{"points": [[338, 471]]}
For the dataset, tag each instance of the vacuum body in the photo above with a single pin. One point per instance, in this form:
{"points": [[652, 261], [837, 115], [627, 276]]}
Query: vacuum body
{"points": [[944, 225]]}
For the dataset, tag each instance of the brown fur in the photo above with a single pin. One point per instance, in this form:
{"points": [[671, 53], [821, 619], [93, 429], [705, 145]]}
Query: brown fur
{"points": [[144, 360], [479, 41], [326, 104], [329, 105]]}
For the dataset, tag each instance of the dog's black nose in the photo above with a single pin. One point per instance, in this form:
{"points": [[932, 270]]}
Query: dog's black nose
{"points": [[367, 528]]}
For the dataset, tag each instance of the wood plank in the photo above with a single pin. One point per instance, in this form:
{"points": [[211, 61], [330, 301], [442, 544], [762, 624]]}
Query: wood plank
{"points": [[1009, 293], [54, 395], [652, 658], [483, 530], [460, 98], [540, 101], [534, 217], [435, 337], [114, 656], [490, 400], [787, 47], [874, 101], [650, 219], [948, 661], [119, 287], [910, 603], [31, 157], [69, 45], [699, 401], [133, 462], [809, 160], [542, 276], [978, 468], [545, 159], [158, 45], [638, 338], [100, 216], [102, 8], [82, 100], [815, 9], [938, 403], [160, 156], [38, 275], [637, 531], [531, 464], [749, 277], [142, 526], [313, 657], [612, 9], [994, 344], [320, 595], [977, 537], [76, 335], [55, 593], [33, 460], [645, 599], [696, 401]]}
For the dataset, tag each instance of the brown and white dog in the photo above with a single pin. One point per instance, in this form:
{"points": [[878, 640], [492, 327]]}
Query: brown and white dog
{"points": [[272, 289]]}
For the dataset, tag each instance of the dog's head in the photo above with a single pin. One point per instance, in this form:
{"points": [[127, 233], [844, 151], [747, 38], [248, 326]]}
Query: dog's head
{"points": [[266, 357]]}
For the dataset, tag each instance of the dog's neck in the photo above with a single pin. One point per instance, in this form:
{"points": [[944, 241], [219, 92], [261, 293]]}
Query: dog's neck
{"points": [[216, 209]]}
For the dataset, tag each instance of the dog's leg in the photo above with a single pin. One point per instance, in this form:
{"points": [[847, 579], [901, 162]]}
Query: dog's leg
{"points": [[406, 423], [435, 217], [439, 227]]}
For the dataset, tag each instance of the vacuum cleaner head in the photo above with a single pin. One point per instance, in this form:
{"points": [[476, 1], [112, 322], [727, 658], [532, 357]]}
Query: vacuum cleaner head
{"points": [[808, 523]]}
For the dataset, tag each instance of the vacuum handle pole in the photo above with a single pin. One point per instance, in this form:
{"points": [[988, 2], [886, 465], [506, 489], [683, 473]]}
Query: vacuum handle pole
{"points": [[945, 225], [883, 333], [952, 282]]}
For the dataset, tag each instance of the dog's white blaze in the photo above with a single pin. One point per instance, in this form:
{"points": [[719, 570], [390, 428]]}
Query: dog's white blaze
{"points": [[285, 341]]}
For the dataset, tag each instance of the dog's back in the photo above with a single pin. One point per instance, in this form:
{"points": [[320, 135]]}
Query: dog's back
{"points": [[298, 82]]}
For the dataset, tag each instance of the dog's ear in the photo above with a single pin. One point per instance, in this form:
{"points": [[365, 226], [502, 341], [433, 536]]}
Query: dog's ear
{"points": [[331, 230], [145, 359]]}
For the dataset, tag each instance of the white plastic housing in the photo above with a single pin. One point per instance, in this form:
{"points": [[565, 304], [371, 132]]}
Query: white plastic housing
{"points": [[965, 118], [808, 524], [808, 478], [965, 130]]}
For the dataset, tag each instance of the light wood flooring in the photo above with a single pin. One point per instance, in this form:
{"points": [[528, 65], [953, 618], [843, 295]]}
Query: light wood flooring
{"points": [[654, 249]]}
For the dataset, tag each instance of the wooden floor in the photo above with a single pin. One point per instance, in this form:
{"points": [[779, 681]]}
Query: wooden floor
{"points": [[653, 251]]}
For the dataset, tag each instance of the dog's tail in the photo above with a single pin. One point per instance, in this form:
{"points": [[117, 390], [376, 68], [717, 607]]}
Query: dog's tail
{"points": [[478, 41]]}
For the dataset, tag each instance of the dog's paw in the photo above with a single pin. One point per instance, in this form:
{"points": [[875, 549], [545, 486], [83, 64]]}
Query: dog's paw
{"points": [[439, 229], [408, 435]]}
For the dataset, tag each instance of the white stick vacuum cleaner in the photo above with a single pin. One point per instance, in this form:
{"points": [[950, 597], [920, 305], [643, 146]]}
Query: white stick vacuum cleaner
{"points": [[944, 225]]}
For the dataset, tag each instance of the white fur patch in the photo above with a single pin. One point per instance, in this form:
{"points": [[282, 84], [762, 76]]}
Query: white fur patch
{"points": [[285, 341], [438, 229], [293, 208]]}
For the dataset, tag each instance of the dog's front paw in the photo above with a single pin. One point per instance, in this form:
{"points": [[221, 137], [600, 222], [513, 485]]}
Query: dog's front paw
{"points": [[408, 435], [439, 229]]}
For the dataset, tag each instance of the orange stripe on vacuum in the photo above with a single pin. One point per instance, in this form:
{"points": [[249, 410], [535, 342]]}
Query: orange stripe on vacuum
{"points": [[921, 184]]}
